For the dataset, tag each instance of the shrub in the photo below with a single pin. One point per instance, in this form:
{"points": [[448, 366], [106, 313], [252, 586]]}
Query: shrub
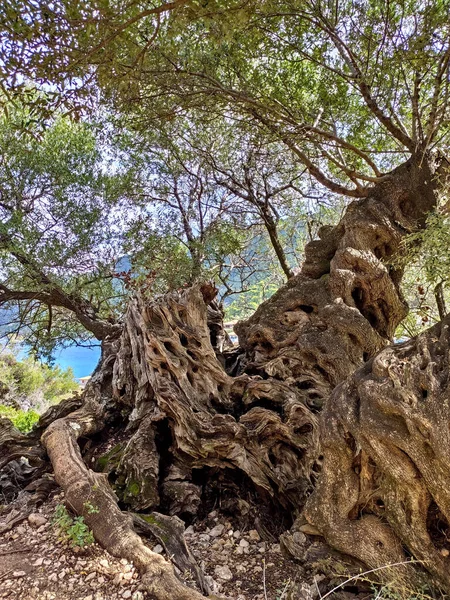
{"points": [[22, 419], [74, 530]]}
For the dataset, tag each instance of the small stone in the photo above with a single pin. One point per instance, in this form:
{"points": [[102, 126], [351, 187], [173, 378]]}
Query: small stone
{"points": [[244, 544], [213, 584], [237, 534], [445, 552], [36, 520], [128, 576], [62, 574], [38, 562], [137, 596], [299, 538], [91, 576], [276, 548], [53, 577], [18, 574], [224, 573], [90, 597], [253, 535], [158, 549], [21, 530], [104, 563], [217, 530], [189, 530], [126, 594], [204, 537]]}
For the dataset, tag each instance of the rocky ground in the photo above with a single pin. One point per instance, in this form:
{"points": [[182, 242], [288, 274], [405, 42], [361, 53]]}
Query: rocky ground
{"points": [[36, 564]]}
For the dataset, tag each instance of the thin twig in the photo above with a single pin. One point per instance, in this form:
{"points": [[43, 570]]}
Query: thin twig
{"points": [[285, 589], [5, 552], [406, 562], [264, 579], [317, 587]]}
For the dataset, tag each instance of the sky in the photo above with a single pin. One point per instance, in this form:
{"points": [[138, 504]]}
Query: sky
{"points": [[82, 360]]}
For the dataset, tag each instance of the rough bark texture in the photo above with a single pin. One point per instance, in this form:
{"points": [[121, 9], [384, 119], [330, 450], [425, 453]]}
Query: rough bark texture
{"points": [[165, 419], [384, 490]]}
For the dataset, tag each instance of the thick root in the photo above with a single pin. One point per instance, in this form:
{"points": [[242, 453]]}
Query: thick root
{"points": [[83, 488]]}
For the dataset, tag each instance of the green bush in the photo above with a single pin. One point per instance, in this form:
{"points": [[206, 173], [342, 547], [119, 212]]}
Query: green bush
{"points": [[23, 420], [32, 383]]}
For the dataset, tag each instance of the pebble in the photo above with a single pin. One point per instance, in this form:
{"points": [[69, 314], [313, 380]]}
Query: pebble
{"points": [[38, 562], [217, 530], [223, 572], [18, 574], [91, 576], [158, 549], [254, 535], [243, 543], [126, 594], [36, 520]]}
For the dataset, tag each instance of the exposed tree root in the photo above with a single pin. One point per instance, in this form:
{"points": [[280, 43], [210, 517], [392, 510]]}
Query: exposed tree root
{"points": [[26, 502], [169, 531], [112, 529], [178, 415]]}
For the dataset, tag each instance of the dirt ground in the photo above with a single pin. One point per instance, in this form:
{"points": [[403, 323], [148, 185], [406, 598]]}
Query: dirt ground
{"points": [[36, 564]]}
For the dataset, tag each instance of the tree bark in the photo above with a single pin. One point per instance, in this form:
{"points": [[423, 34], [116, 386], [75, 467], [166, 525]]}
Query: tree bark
{"points": [[184, 420]]}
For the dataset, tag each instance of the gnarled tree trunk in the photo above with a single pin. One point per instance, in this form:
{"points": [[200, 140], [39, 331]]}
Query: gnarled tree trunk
{"points": [[171, 417]]}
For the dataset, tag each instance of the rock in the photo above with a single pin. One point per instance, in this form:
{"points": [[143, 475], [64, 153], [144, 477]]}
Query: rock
{"points": [[104, 563], [237, 534], [204, 537], [189, 530], [158, 549], [128, 576], [244, 544], [253, 535], [53, 577], [91, 576], [223, 572], [21, 530], [137, 596], [126, 594], [213, 584], [217, 530], [38, 562], [90, 597], [36, 520], [18, 574], [299, 538]]}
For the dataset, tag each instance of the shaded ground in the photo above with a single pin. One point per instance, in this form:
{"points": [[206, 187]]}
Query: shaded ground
{"points": [[36, 565]]}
